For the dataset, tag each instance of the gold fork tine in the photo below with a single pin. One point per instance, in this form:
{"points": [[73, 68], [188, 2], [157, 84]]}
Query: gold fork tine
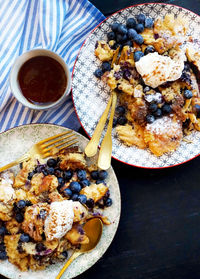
{"points": [[48, 153], [53, 142], [41, 149], [61, 142], [54, 137], [67, 145]]}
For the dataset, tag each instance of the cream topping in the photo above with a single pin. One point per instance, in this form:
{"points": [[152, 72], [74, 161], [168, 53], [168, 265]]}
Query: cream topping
{"points": [[60, 219], [157, 69]]}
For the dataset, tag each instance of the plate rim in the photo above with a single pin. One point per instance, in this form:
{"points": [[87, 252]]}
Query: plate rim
{"points": [[131, 6], [114, 174]]}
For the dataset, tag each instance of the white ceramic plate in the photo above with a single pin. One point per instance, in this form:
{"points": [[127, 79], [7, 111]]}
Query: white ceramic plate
{"points": [[91, 95], [14, 143]]}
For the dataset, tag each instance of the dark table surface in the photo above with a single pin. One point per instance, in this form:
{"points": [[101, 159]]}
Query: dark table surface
{"points": [[159, 231]]}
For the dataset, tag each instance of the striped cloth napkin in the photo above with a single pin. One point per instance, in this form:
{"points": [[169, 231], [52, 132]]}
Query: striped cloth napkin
{"points": [[57, 25]]}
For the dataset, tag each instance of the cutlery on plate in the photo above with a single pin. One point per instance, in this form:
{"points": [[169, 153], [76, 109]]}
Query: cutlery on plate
{"points": [[45, 147], [92, 146], [104, 160], [93, 229]]}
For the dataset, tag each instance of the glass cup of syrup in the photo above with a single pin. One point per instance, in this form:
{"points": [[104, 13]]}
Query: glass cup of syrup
{"points": [[40, 79]]}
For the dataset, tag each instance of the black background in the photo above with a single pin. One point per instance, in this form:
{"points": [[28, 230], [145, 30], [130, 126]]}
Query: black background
{"points": [[159, 231]]}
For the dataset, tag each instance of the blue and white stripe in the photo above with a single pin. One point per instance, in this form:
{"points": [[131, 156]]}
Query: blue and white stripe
{"points": [[57, 25]]}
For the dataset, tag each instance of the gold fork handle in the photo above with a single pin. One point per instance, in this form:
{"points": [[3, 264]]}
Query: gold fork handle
{"points": [[91, 148], [71, 259], [16, 162], [104, 160]]}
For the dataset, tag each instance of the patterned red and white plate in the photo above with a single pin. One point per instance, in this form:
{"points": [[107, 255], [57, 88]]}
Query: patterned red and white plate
{"points": [[90, 95]]}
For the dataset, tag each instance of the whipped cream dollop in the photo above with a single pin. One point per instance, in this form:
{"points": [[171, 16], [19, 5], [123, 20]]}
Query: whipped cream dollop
{"points": [[157, 69], [60, 219]]}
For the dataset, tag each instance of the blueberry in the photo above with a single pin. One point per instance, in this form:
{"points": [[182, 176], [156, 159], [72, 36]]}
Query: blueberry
{"points": [[2, 230], [16, 209], [61, 181], [132, 34], [186, 123], [108, 202], [150, 118], [111, 36], [98, 73], [81, 174], [67, 193], [121, 38], [90, 203], [74, 197], [126, 74], [3, 255], [128, 43], [114, 122], [148, 22], [186, 67], [166, 108], [197, 109], [120, 110], [67, 175], [139, 27], [149, 49], [50, 170], [2, 247], [24, 237], [106, 66], [30, 175], [19, 217], [131, 23], [45, 172], [57, 172], [146, 89], [85, 182], [103, 174], [82, 199], [116, 45], [107, 194], [95, 175], [65, 254], [51, 162], [21, 165], [137, 55], [141, 18], [75, 187], [122, 29], [158, 113], [21, 204], [188, 94], [115, 26], [43, 213], [153, 107], [40, 247], [122, 120], [138, 39]]}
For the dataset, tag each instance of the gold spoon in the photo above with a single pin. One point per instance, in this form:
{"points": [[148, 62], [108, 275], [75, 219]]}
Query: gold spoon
{"points": [[93, 229], [104, 160], [91, 148]]}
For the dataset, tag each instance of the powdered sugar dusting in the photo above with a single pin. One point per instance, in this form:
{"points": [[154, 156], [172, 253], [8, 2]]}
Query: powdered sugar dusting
{"points": [[163, 125], [60, 219], [157, 98]]}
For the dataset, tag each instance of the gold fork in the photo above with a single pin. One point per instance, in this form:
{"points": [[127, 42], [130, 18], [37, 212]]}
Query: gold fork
{"points": [[44, 147]]}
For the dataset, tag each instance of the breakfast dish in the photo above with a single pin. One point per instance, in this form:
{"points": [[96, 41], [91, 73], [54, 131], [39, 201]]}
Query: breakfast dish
{"points": [[45, 203], [146, 63], [153, 63]]}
